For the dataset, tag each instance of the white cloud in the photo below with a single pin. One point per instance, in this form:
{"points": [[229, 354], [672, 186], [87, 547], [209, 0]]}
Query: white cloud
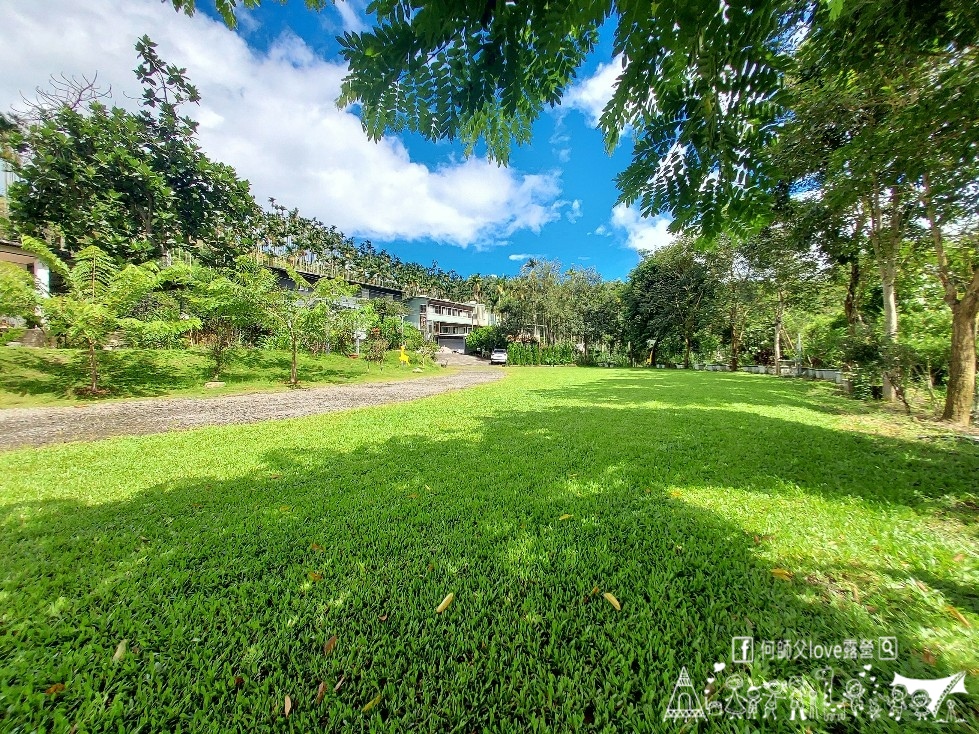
{"points": [[590, 95], [523, 256], [272, 116], [350, 14], [642, 234], [574, 214], [560, 140], [602, 231]]}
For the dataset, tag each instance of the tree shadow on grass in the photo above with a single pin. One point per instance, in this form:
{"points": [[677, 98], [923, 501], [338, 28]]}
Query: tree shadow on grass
{"points": [[713, 439], [687, 388], [247, 577], [144, 373], [123, 373], [38, 374]]}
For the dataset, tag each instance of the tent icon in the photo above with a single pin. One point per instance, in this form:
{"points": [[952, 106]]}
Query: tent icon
{"points": [[685, 702]]}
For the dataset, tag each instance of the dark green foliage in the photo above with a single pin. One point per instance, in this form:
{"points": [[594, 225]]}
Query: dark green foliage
{"points": [[534, 354], [670, 294], [485, 339], [699, 77], [17, 294], [135, 184], [377, 347], [396, 332], [229, 303]]}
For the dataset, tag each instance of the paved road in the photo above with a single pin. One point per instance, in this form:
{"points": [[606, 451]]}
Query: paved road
{"points": [[40, 426]]}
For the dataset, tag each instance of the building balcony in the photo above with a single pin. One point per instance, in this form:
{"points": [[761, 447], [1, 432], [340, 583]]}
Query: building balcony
{"points": [[437, 318]]}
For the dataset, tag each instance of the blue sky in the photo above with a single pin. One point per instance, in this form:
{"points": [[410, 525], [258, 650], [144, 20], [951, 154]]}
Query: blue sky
{"points": [[267, 109]]}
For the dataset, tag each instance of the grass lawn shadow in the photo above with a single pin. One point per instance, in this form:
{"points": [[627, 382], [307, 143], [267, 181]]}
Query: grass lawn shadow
{"points": [[229, 571]]}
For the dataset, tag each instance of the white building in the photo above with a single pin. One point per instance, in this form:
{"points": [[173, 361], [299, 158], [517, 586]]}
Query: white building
{"points": [[447, 322]]}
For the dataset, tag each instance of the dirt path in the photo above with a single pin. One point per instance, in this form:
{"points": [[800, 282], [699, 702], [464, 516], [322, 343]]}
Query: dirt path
{"points": [[41, 426]]}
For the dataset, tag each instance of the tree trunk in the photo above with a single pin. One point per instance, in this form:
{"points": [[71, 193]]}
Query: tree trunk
{"points": [[890, 326], [886, 251], [734, 317], [778, 337], [960, 393], [962, 365], [686, 352], [93, 365], [293, 375], [850, 302]]}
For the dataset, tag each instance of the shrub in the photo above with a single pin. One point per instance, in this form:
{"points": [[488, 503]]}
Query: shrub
{"points": [[532, 354], [485, 339]]}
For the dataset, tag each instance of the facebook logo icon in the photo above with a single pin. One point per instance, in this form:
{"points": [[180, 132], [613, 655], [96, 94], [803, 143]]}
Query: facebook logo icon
{"points": [[742, 649]]}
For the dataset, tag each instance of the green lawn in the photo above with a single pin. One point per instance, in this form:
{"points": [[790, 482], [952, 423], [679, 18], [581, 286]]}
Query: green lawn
{"points": [[228, 558], [38, 377]]}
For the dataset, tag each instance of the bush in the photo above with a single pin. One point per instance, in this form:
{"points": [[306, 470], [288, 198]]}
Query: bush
{"points": [[532, 354], [429, 349], [485, 339], [394, 331]]}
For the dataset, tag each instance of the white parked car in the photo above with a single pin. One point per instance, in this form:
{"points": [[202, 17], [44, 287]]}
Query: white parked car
{"points": [[498, 356]]}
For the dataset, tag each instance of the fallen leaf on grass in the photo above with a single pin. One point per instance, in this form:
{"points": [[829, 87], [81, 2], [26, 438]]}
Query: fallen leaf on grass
{"points": [[413, 496], [445, 603], [781, 573], [329, 645], [321, 691], [920, 585], [383, 618], [595, 590], [275, 475], [239, 681], [316, 547], [120, 652], [959, 558], [339, 683], [284, 508], [676, 493], [55, 689], [288, 706], [372, 703], [928, 656], [613, 601], [958, 615], [759, 539], [315, 576], [565, 517]]}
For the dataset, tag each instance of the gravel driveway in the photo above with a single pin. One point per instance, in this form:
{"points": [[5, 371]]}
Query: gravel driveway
{"points": [[40, 426]]}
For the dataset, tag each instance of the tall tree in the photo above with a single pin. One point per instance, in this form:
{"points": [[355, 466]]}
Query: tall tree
{"points": [[137, 181], [894, 129], [670, 293]]}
